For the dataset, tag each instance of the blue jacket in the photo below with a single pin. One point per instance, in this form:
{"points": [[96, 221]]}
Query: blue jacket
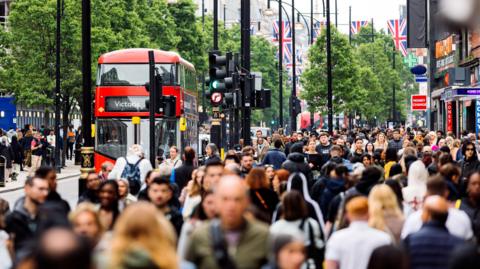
{"points": [[431, 246], [274, 157]]}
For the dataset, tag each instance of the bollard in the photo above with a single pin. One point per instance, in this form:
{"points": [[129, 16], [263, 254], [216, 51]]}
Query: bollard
{"points": [[78, 156], [3, 165]]}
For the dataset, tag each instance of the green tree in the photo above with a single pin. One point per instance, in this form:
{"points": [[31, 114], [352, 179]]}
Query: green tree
{"points": [[345, 73], [192, 39]]}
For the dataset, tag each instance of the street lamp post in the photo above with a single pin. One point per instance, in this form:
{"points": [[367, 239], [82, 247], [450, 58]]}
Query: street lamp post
{"points": [[87, 149], [312, 112], [57, 90], [280, 62], [294, 75], [329, 70]]}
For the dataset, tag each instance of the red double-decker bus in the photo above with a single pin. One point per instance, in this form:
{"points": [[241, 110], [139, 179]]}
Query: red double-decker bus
{"points": [[120, 97]]}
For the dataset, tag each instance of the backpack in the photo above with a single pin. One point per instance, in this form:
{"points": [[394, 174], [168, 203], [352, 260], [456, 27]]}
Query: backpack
{"points": [[131, 172], [315, 255]]}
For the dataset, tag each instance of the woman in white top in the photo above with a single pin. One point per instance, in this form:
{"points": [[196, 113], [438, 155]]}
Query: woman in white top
{"points": [[295, 216]]}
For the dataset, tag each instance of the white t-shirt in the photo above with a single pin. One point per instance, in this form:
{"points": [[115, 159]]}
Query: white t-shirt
{"points": [[119, 166], [457, 224], [351, 247]]}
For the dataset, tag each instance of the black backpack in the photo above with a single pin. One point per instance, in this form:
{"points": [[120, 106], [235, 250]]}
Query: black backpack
{"points": [[315, 255], [131, 172]]}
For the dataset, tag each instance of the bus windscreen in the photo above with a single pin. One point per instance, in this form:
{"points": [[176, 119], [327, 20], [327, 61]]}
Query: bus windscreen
{"points": [[133, 74]]}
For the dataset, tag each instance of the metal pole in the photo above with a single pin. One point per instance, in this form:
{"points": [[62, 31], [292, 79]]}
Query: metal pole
{"points": [[87, 149], [336, 14], [373, 32], [151, 116], [203, 14], [57, 92], [245, 51], [312, 113], [215, 24], [224, 16], [203, 72], [329, 71], [87, 74], [394, 109], [350, 25], [280, 62], [294, 78]]}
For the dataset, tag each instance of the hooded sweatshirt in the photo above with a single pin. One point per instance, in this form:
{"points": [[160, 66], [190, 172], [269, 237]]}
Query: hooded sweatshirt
{"points": [[414, 193]]}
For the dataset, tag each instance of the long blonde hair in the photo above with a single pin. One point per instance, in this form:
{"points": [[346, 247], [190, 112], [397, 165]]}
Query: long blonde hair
{"points": [[142, 226], [382, 201]]}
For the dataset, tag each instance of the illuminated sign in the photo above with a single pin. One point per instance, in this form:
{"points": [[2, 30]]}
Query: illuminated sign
{"points": [[126, 104]]}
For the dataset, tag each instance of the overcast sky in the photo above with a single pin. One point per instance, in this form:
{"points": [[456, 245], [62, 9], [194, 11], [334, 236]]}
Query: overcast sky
{"points": [[379, 10]]}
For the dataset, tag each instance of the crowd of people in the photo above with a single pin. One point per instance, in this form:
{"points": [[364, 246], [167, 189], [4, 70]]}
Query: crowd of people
{"points": [[29, 148], [402, 198]]}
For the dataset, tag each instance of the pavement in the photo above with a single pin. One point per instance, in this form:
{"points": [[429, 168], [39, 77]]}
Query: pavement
{"points": [[70, 171]]}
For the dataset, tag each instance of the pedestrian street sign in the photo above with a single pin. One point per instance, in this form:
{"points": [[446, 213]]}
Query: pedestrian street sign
{"points": [[421, 78]]}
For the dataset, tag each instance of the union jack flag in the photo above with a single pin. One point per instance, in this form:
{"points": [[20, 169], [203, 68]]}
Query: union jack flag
{"points": [[398, 30], [317, 29], [287, 54], [356, 26], [287, 31]]}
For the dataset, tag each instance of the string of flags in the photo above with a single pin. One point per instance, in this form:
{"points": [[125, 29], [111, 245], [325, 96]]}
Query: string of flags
{"points": [[397, 28]]}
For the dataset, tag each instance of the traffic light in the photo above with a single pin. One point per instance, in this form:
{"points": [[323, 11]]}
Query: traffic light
{"points": [[221, 79], [296, 106], [263, 98], [165, 105]]}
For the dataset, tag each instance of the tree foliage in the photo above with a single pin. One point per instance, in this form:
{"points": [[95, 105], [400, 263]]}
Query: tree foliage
{"points": [[345, 71], [363, 75]]}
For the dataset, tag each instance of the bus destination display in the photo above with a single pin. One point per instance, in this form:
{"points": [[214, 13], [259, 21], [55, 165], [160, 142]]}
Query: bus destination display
{"points": [[126, 104]]}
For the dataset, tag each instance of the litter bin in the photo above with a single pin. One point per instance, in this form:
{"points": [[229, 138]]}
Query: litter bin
{"points": [[3, 164]]}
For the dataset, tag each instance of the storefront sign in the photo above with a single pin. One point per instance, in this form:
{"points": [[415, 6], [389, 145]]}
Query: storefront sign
{"points": [[449, 117], [443, 48], [444, 53], [419, 102], [468, 91], [477, 115]]}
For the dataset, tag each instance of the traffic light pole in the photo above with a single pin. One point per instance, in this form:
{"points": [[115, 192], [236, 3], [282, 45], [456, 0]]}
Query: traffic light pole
{"points": [[215, 129], [245, 51]]}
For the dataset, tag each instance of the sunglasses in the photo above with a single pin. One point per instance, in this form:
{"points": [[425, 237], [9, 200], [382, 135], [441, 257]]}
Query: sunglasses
{"points": [[472, 149]]}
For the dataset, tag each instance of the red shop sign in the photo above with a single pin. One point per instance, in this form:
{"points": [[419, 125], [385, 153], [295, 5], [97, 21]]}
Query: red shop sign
{"points": [[449, 117]]}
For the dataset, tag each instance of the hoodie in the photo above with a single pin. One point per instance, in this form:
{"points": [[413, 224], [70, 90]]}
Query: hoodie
{"points": [[332, 188], [296, 163]]}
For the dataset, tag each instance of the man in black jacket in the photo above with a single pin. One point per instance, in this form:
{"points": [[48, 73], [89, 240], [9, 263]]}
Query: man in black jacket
{"points": [[48, 173], [91, 193], [22, 222], [183, 174], [432, 245], [296, 163]]}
